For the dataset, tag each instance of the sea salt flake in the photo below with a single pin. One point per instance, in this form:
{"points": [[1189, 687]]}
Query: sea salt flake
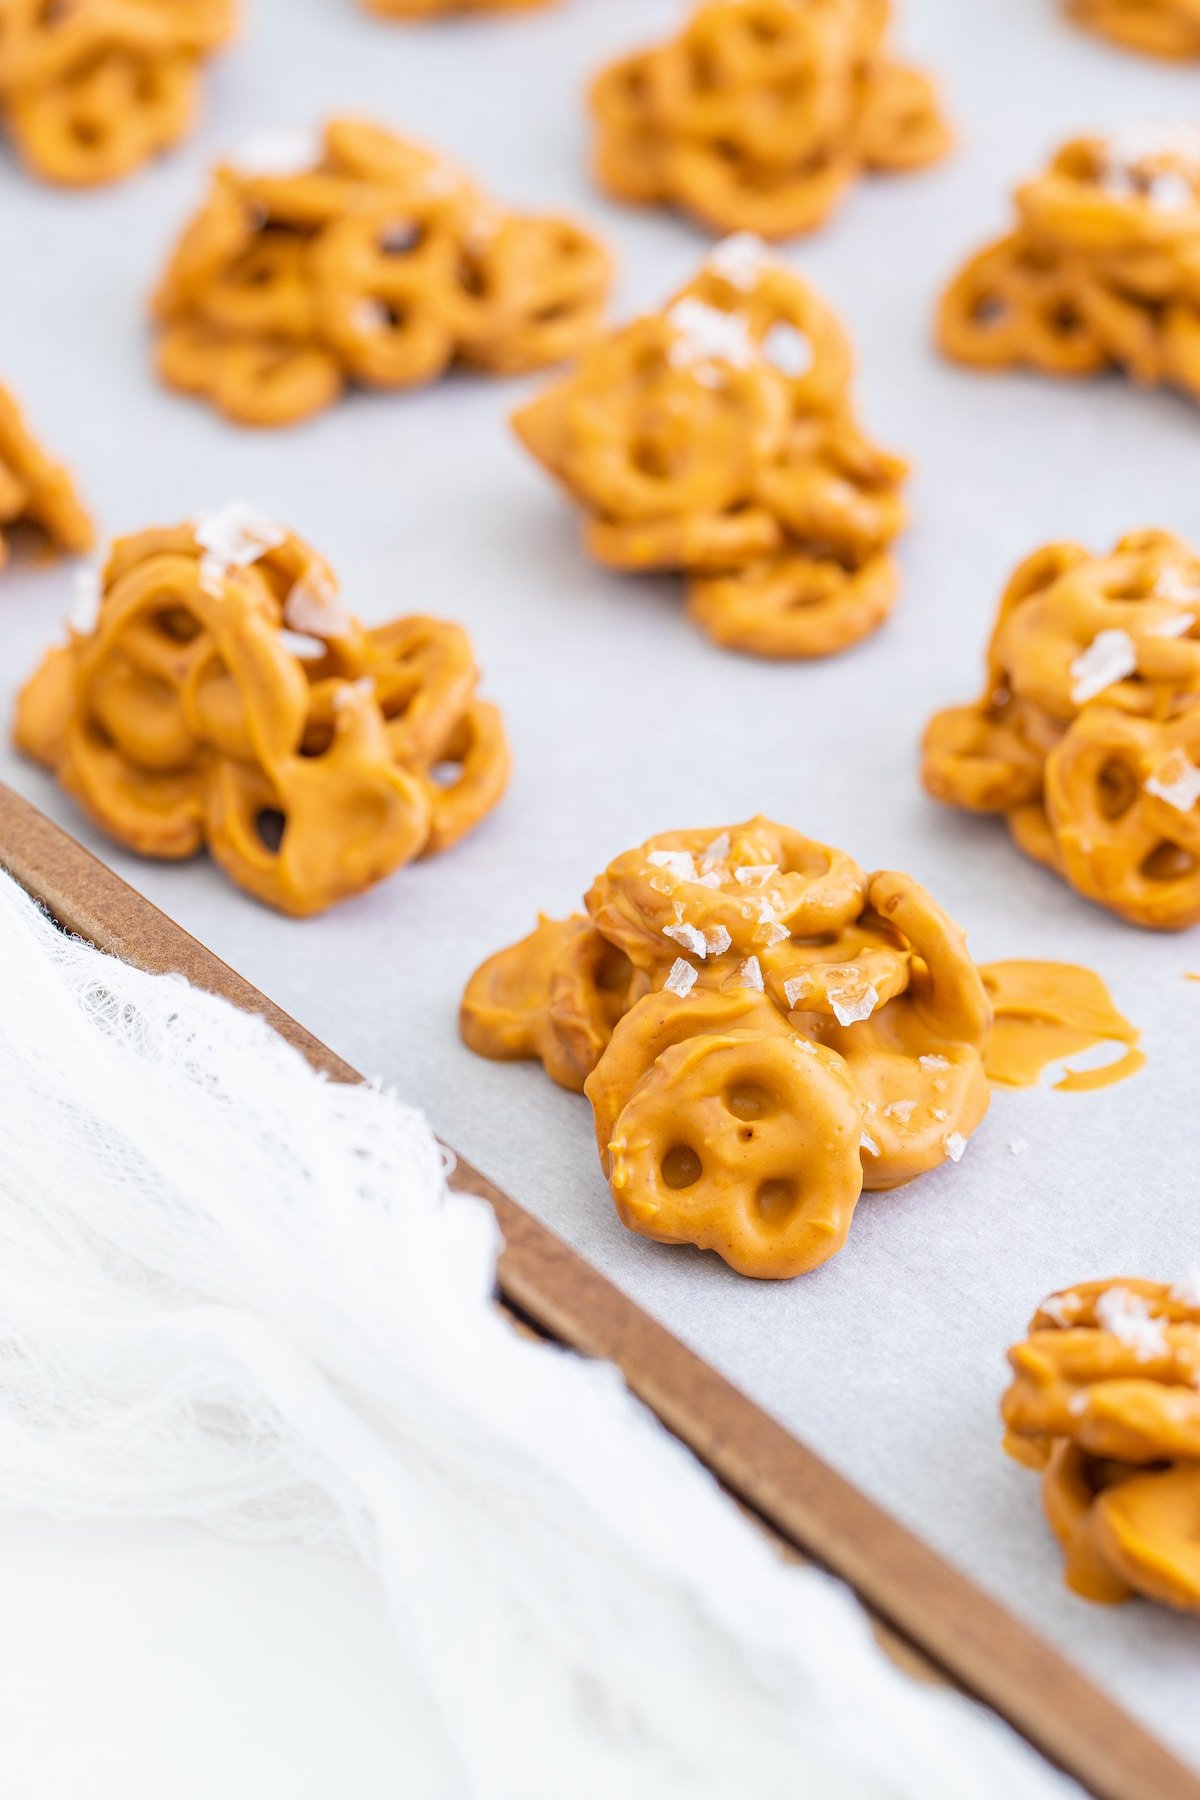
{"points": [[718, 940], [1176, 780], [211, 574], [788, 350], [370, 314], [1128, 1317], [900, 1109], [682, 978], [680, 864], [851, 1006], [689, 938], [1176, 627], [954, 1145], [940, 1114], [1174, 585], [1018, 1146], [868, 1144], [238, 535], [750, 975], [717, 852], [755, 873], [771, 932], [312, 607], [343, 697], [930, 1063], [710, 879], [1077, 1404], [84, 610], [741, 260], [291, 151], [798, 986], [1109, 658], [705, 334], [302, 645], [1062, 1308]]}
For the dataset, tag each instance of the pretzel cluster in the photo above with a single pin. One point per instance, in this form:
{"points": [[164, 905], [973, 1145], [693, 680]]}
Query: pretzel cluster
{"points": [[1157, 27], [1102, 270], [1105, 1404], [92, 89], [218, 695], [761, 113], [762, 1029], [717, 439], [356, 256], [35, 491], [435, 9], [1087, 736]]}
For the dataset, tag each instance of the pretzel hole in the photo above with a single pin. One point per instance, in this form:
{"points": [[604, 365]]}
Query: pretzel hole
{"points": [[748, 1101], [270, 825], [176, 623], [776, 1198], [317, 739], [1168, 862], [447, 773], [1116, 789], [400, 239], [681, 1167], [989, 308], [1066, 319]]}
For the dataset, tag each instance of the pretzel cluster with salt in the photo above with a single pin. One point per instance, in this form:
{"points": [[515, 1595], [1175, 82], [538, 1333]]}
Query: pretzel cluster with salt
{"points": [[762, 1029], [1102, 270], [760, 114], [357, 256], [1168, 28], [1105, 1405], [717, 439], [214, 693], [436, 9], [34, 491], [92, 89], [1087, 737]]}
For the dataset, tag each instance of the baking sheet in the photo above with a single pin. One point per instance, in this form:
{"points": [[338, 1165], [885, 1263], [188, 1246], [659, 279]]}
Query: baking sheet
{"points": [[625, 722]]}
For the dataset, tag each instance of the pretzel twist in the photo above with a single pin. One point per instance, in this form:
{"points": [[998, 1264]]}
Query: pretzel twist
{"points": [[716, 438], [224, 699], [34, 491], [760, 114], [92, 89], [1168, 28], [373, 262], [1102, 270], [1088, 734], [1104, 1404], [762, 1030]]}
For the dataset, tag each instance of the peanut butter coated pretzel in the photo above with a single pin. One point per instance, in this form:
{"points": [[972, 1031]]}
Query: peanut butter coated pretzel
{"points": [[1102, 270], [1157, 27], [1087, 736], [359, 257], [763, 1031], [92, 89], [219, 696], [1105, 1405], [717, 439], [35, 491], [760, 114]]}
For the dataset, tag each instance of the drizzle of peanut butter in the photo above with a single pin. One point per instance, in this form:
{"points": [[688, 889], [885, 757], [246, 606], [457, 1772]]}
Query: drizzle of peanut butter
{"points": [[1046, 1011]]}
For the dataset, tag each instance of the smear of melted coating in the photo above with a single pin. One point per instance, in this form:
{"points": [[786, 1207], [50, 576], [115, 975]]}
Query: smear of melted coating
{"points": [[1048, 1011]]}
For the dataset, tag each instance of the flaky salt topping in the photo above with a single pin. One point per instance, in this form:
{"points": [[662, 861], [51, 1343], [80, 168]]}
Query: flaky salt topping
{"points": [[1176, 780], [954, 1144], [867, 1143], [1131, 156], [312, 607], [682, 978], [1128, 1317], [689, 937], [900, 1109], [1109, 658], [852, 1005], [741, 260], [706, 335], [238, 535], [1181, 589]]}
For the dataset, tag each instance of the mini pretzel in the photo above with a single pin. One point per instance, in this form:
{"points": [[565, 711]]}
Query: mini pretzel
{"points": [[361, 257], [1102, 270], [1088, 734], [35, 491], [760, 114], [1103, 1402], [1168, 28], [222, 698], [92, 89], [761, 1029], [716, 438]]}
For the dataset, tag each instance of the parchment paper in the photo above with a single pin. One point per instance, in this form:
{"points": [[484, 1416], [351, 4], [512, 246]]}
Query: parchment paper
{"points": [[624, 721]]}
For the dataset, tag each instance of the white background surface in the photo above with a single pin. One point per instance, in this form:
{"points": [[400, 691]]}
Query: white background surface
{"points": [[623, 722]]}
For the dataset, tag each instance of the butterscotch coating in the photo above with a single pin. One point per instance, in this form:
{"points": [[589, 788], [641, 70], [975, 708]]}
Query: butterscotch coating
{"points": [[223, 698], [716, 439], [762, 1029], [1169, 28], [760, 114], [92, 89], [1101, 271], [34, 490], [375, 263], [1104, 1403], [1087, 737]]}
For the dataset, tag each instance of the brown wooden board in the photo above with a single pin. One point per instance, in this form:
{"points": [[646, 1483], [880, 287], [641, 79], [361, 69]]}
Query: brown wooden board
{"points": [[960, 1630]]}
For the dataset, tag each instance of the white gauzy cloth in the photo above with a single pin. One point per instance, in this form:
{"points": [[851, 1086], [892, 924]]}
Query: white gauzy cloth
{"points": [[233, 1292]]}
